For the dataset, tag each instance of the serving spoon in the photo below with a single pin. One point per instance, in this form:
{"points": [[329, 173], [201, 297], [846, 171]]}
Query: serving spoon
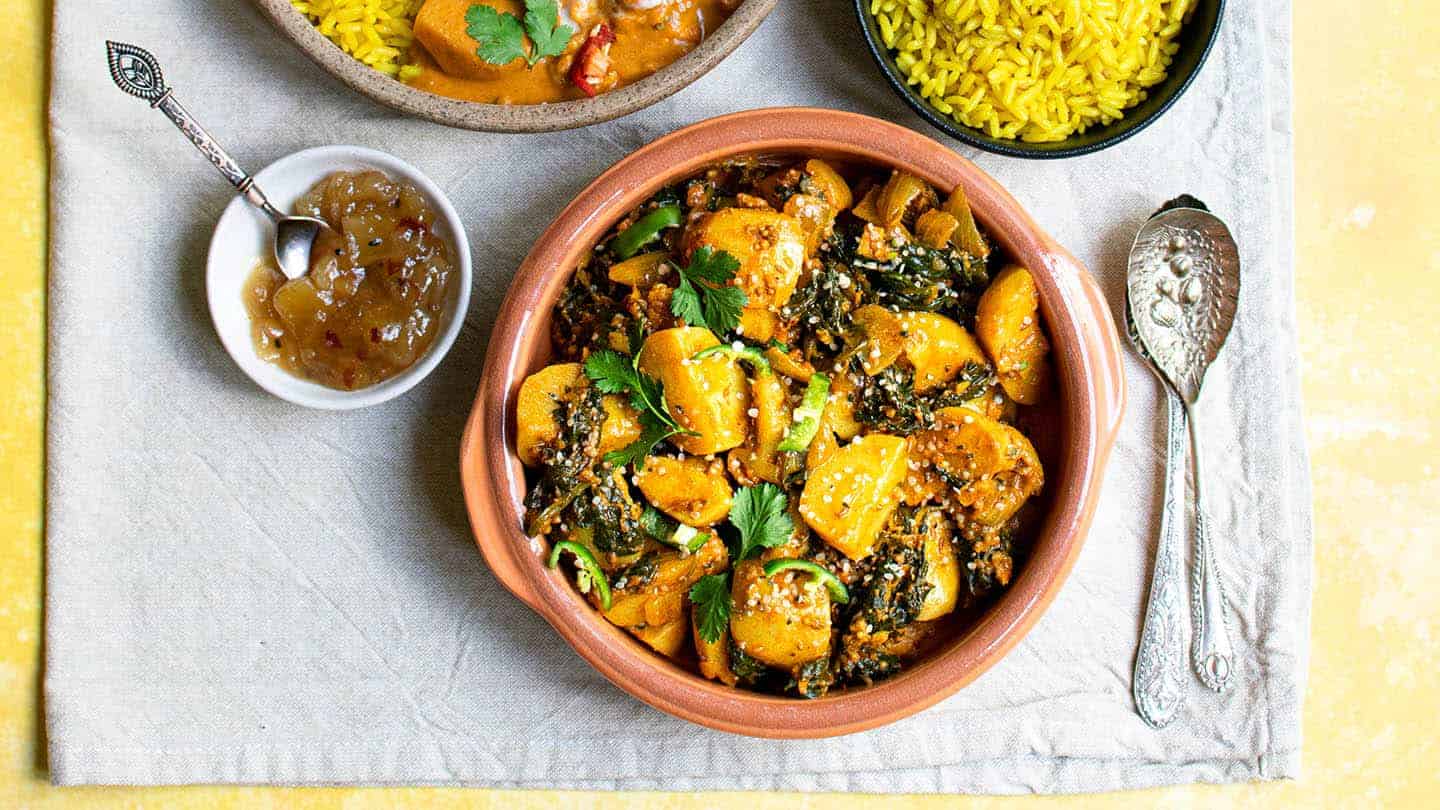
{"points": [[1182, 288], [136, 71]]}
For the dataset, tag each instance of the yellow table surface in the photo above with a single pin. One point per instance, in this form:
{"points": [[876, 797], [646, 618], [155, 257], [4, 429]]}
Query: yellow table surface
{"points": [[1368, 275]]}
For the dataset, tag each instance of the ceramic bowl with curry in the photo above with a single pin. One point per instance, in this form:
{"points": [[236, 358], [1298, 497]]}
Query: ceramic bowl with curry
{"points": [[792, 423], [517, 65]]}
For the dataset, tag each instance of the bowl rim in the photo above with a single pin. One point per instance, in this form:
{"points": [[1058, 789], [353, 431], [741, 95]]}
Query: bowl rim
{"points": [[492, 476], [517, 118], [973, 137], [338, 157]]}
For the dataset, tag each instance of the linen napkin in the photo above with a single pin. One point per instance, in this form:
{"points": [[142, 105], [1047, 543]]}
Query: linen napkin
{"points": [[239, 590]]}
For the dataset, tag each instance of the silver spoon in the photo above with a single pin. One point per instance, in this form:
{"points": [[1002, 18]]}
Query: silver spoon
{"points": [[136, 72], [1159, 682], [1183, 284]]}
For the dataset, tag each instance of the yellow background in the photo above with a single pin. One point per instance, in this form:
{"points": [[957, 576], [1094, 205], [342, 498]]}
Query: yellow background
{"points": [[1368, 229]]}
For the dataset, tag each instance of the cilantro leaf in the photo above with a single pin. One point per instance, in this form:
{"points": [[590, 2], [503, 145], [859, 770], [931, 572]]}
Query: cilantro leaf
{"points": [[705, 297], [716, 267], [759, 513], [711, 595], [612, 372], [654, 431], [685, 304], [547, 38], [499, 36], [722, 308]]}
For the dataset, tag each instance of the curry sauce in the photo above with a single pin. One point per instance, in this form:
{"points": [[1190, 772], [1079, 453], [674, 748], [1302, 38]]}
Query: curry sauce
{"points": [[615, 43]]}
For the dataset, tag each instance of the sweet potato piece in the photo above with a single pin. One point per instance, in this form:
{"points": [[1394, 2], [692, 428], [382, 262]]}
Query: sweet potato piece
{"points": [[535, 407], [535, 412], [882, 337], [848, 498], [782, 620], [938, 348], [621, 426], [708, 396], [839, 413], [1007, 321], [770, 247], [640, 271], [713, 657], [997, 461], [691, 490], [967, 234], [440, 28], [667, 639], [935, 227], [942, 572], [758, 324], [758, 458], [828, 184], [903, 197], [663, 598], [815, 216]]}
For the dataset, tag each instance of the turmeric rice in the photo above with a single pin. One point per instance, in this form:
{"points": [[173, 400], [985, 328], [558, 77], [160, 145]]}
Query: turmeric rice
{"points": [[376, 32], [1036, 70]]}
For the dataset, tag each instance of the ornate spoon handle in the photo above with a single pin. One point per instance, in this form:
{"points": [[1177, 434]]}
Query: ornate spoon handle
{"points": [[1210, 650], [1160, 664], [137, 72]]}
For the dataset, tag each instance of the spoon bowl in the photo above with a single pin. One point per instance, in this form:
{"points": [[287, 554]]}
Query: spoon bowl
{"points": [[1183, 289], [294, 241]]}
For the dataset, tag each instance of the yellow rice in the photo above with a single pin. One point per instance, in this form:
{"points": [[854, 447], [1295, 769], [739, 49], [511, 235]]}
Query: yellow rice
{"points": [[1037, 70], [376, 32]]}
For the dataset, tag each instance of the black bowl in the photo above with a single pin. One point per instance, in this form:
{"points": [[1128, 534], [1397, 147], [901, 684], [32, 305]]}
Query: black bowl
{"points": [[1195, 39]]}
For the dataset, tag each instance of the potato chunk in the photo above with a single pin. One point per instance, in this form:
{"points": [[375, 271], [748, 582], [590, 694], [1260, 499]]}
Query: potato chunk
{"points": [[770, 247], [827, 184], [641, 271], [938, 348], [883, 337], [713, 657], [451, 47], [691, 490], [662, 598], [535, 407], [848, 498], [621, 426], [997, 461], [942, 572], [708, 396], [759, 458], [1007, 321], [667, 639], [782, 620], [535, 412]]}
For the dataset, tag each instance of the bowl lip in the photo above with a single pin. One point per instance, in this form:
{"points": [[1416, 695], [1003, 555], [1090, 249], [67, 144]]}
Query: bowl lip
{"points": [[290, 388], [489, 466], [971, 136], [518, 118]]}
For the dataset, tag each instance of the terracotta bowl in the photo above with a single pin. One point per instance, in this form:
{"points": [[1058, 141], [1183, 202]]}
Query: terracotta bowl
{"points": [[520, 117], [1074, 437]]}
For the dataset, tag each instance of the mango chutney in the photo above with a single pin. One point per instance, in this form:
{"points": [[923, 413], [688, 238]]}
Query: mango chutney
{"points": [[371, 304]]}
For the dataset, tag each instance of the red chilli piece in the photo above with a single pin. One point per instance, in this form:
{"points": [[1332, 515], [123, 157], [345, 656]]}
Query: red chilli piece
{"points": [[592, 63]]}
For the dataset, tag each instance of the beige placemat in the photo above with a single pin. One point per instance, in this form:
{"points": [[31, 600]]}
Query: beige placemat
{"points": [[239, 590]]}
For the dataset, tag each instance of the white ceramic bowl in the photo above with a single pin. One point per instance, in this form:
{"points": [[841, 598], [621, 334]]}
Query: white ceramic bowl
{"points": [[243, 235]]}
